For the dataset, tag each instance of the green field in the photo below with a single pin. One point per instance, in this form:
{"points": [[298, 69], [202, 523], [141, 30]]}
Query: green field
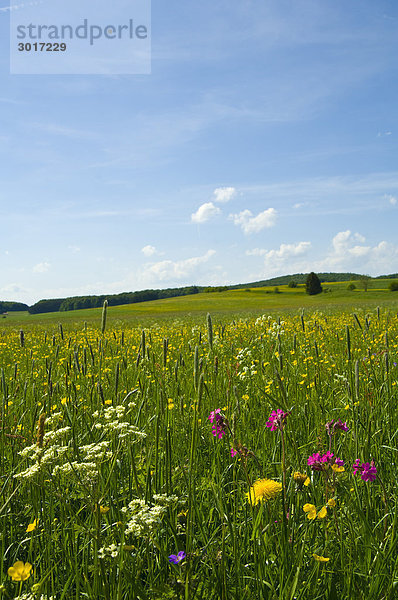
{"points": [[115, 484], [227, 303]]}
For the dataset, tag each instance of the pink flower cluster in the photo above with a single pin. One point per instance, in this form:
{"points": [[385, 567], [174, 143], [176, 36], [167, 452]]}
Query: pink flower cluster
{"points": [[320, 463], [220, 426], [276, 420], [334, 426], [368, 470]]}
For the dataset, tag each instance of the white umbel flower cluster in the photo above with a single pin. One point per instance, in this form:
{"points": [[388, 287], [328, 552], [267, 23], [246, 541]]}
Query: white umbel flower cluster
{"points": [[111, 422], [108, 551], [144, 518], [46, 456]]}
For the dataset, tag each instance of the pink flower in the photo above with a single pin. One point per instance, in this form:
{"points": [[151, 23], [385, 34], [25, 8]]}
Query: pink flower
{"points": [[368, 470], [356, 466], [233, 453], [276, 420], [220, 423], [334, 426], [320, 463]]}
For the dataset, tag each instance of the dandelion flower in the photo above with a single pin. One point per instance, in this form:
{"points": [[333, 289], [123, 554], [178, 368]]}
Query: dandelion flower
{"points": [[20, 571], [263, 489]]}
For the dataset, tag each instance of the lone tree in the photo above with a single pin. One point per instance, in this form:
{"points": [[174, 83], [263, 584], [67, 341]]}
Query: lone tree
{"points": [[364, 281], [312, 284]]}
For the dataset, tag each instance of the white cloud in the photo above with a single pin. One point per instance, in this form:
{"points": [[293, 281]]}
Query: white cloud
{"points": [[74, 249], [349, 253], [205, 212], [224, 194], [284, 251], [148, 250], [254, 224], [392, 200], [180, 269], [42, 267]]}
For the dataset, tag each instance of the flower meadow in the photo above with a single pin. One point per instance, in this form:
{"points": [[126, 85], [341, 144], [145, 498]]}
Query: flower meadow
{"points": [[239, 459]]}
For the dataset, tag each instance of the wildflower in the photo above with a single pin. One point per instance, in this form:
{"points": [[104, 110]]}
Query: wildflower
{"points": [[310, 510], [321, 463], [334, 426], [368, 470], [320, 558], [220, 423], [175, 559], [103, 509], [31, 526], [332, 502], [233, 452], [276, 420], [263, 489], [301, 479], [312, 514], [20, 571]]}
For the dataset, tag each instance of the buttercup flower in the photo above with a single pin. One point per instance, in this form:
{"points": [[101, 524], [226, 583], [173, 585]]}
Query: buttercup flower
{"points": [[263, 489], [312, 514], [320, 558], [20, 571], [175, 559], [310, 510], [301, 479], [31, 526]]}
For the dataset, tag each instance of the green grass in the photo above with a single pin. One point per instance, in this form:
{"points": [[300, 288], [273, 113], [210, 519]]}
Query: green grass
{"points": [[226, 304], [127, 419]]}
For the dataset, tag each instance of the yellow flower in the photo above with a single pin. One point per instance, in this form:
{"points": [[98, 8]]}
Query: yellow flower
{"points": [[312, 514], [263, 489], [31, 526], [310, 510], [332, 502], [337, 469], [301, 478], [20, 571], [320, 558], [103, 509]]}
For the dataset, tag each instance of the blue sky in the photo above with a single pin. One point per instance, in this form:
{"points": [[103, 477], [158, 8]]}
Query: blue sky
{"points": [[263, 143]]}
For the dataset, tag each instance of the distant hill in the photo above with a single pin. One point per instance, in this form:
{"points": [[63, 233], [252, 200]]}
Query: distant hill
{"points": [[12, 306], [301, 277], [79, 302]]}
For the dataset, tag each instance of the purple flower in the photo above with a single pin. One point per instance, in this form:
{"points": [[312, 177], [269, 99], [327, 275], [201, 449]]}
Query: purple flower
{"points": [[177, 558], [334, 426], [320, 463], [233, 452], [356, 466], [220, 423], [368, 470], [276, 420]]}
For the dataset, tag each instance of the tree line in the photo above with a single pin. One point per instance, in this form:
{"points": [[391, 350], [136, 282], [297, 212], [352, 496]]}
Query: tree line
{"points": [[80, 302]]}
